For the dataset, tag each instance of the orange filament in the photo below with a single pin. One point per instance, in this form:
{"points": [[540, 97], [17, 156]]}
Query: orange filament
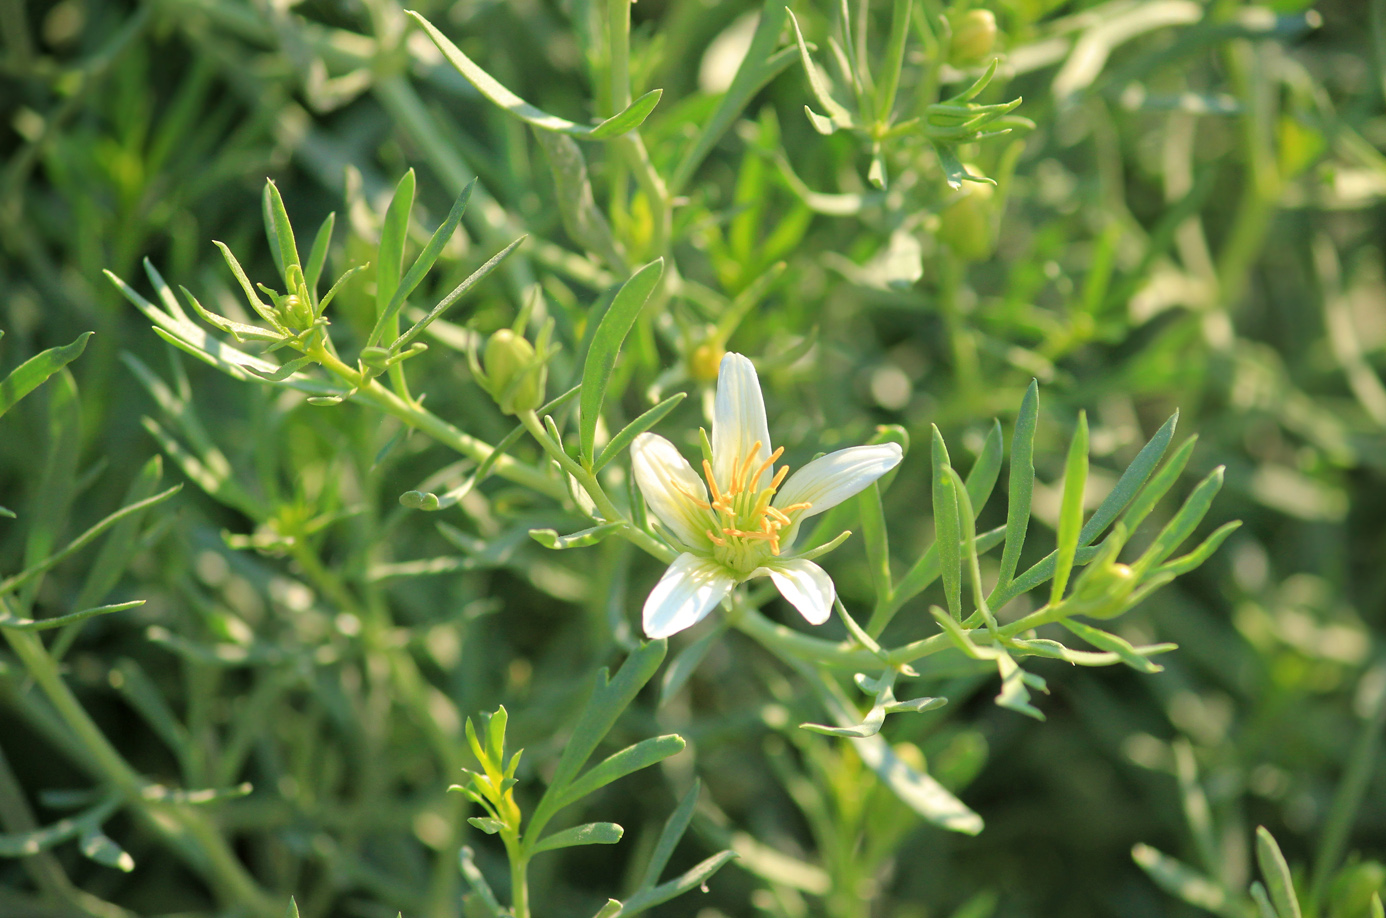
{"points": [[763, 522]]}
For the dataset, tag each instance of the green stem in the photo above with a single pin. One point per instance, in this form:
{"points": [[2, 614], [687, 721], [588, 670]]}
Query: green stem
{"points": [[188, 833], [610, 512], [618, 43], [420, 418]]}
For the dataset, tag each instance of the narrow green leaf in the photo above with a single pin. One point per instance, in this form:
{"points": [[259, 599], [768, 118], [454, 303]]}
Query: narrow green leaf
{"points": [[917, 790], [591, 833], [447, 302], [628, 120], [317, 256], [583, 220], [23, 844], [488, 86], [279, 232], [1185, 563], [486, 824], [1021, 484], [608, 700], [1130, 484], [1185, 883], [1190, 514], [30, 374], [894, 59], [1264, 908], [873, 530], [947, 532], [1014, 694], [44, 624], [838, 117], [669, 836], [631, 759], [693, 878], [610, 910], [466, 860], [389, 259], [761, 64], [606, 346], [635, 428], [247, 287], [14, 582], [1276, 872], [1071, 509], [292, 911], [421, 266], [1131, 656], [1378, 911], [95, 845], [550, 538]]}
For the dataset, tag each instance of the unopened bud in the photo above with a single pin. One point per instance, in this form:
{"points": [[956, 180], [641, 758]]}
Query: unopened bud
{"points": [[974, 35], [704, 361], [375, 357], [514, 372], [297, 313], [965, 225]]}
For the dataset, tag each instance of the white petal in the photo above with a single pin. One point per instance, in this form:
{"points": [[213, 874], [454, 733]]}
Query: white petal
{"points": [[829, 480], [806, 585], [685, 595], [738, 420], [661, 471]]}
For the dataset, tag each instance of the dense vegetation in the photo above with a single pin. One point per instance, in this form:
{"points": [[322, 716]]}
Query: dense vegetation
{"points": [[276, 571]]}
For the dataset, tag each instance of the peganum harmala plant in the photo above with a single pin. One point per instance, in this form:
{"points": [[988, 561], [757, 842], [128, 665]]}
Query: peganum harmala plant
{"points": [[1089, 578]]}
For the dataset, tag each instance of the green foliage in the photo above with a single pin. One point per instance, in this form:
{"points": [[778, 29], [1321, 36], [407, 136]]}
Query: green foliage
{"points": [[527, 234]]}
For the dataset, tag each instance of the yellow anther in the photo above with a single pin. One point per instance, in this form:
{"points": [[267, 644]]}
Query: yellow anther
{"points": [[767, 464], [712, 483], [692, 498], [743, 478], [716, 539], [779, 477]]}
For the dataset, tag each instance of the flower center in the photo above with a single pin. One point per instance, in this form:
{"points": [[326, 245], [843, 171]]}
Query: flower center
{"points": [[747, 527]]}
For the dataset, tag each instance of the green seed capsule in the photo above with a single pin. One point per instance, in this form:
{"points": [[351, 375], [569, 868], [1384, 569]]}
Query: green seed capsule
{"points": [[514, 372], [297, 313], [974, 35], [965, 225]]}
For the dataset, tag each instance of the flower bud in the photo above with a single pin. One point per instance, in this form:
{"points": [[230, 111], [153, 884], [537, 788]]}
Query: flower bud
{"points": [[297, 312], [974, 34], [965, 225], [704, 361], [514, 372], [375, 358]]}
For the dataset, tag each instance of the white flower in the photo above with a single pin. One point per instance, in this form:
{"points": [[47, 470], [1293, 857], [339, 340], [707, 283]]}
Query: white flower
{"points": [[744, 528]]}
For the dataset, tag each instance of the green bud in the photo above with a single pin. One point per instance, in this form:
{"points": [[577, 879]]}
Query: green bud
{"points": [[974, 35], [375, 357], [298, 314], [514, 372], [965, 225]]}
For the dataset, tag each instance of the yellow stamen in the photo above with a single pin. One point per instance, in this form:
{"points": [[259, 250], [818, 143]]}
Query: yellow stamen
{"points": [[803, 505], [779, 477], [744, 472], [778, 515], [716, 539], [692, 498], [712, 483], [767, 464]]}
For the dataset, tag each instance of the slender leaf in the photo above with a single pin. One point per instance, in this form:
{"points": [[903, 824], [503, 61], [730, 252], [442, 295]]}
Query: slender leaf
{"points": [[1185, 883], [606, 346], [1021, 483], [627, 119], [279, 232], [591, 833], [635, 428], [1276, 872], [44, 624], [447, 302], [421, 266], [669, 836], [1071, 509], [550, 538], [631, 759], [30, 374], [696, 876], [946, 527]]}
